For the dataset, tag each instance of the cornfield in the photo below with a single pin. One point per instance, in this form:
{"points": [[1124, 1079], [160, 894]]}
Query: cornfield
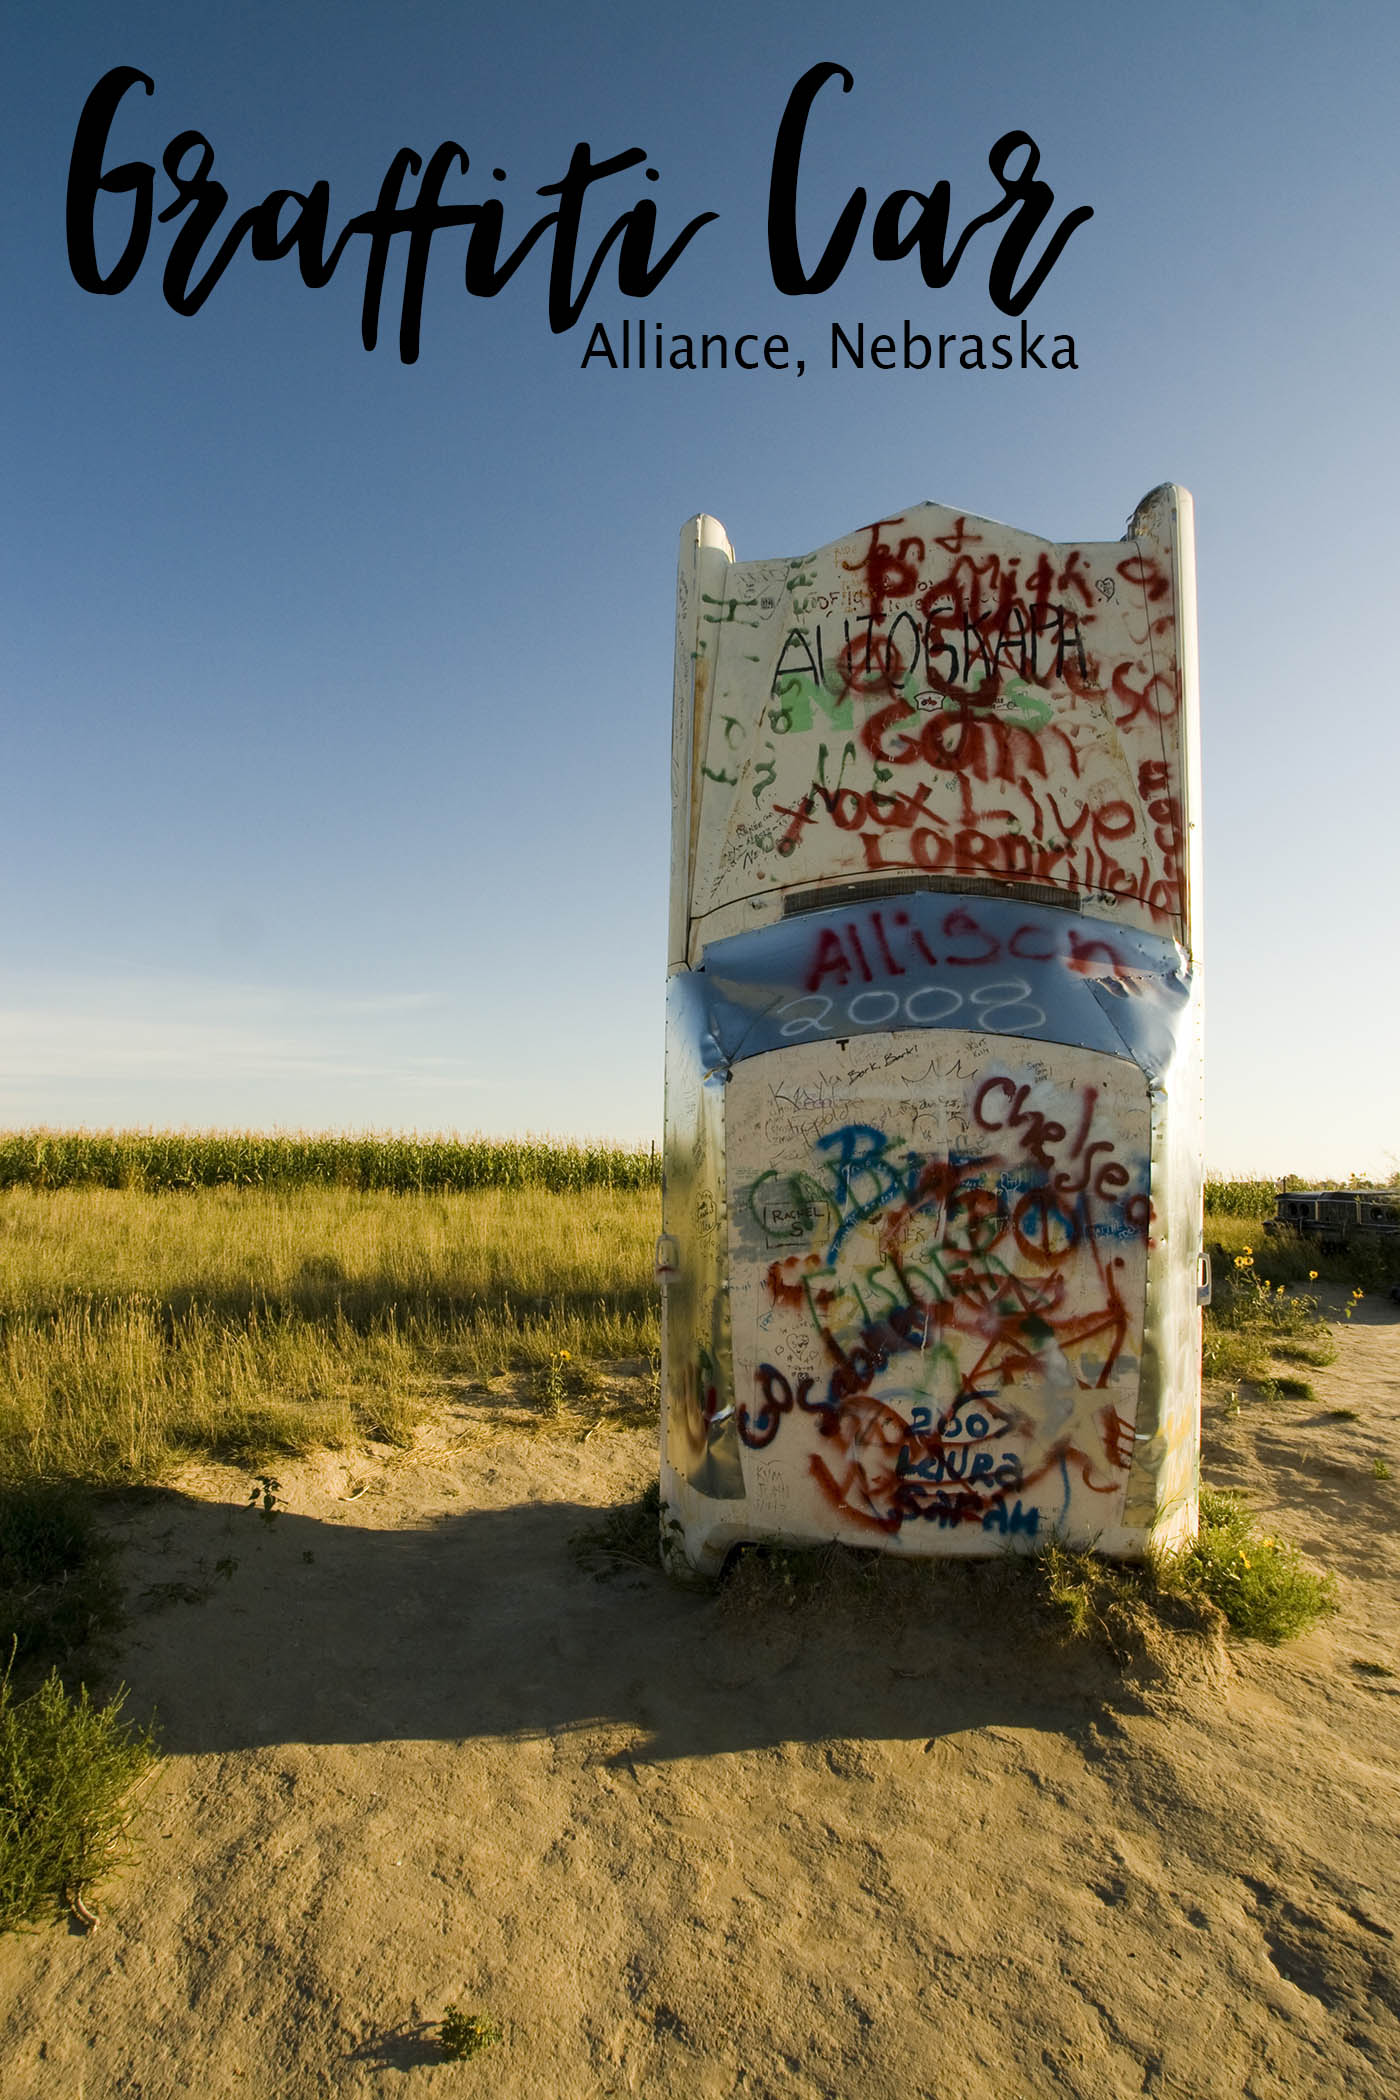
{"points": [[152, 1160], [164, 1159], [1256, 1199], [1242, 1199]]}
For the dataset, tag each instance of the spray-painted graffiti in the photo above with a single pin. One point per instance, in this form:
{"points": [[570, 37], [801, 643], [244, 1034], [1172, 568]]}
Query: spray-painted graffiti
{"points": [[984, 966], [935, 999], [838, 952], [943, 695], [937, 1283]]}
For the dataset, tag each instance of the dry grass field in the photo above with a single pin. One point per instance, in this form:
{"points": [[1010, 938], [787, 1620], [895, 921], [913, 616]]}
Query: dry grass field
{"points": [[141, 1328]]}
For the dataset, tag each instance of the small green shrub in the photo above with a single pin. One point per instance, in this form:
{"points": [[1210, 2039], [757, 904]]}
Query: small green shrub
{"points": [[1316, 1356], [629, 1533], [553, 1382], [1261, 1583], [58, 1591], [264, 1496], [1076, 1588], [794, 1578], [67, 1768], [466, 2034]]}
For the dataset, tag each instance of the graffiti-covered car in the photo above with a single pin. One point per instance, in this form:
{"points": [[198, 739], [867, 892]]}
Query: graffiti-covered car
{"points": [[1339, 1218], [932, 1195]]}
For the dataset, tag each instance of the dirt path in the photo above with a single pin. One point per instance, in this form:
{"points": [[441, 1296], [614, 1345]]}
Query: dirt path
{"points": [[416, 1756]]}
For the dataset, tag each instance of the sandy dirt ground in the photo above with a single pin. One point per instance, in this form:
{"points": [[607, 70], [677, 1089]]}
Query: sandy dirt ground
{"points": [[416, 1756]]}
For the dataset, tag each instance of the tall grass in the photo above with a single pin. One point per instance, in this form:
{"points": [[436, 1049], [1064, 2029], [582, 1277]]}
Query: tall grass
{"points": [[165, 1159], [136, 1328]]}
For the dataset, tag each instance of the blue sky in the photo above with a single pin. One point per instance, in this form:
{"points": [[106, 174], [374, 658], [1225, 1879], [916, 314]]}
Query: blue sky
{"points": [[337, 689]]}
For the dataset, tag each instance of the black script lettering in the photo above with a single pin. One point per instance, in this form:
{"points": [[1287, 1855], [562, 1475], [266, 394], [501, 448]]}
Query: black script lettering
{"points": [[1025, 199], [783, 253], [199, 201], [87, 179]]}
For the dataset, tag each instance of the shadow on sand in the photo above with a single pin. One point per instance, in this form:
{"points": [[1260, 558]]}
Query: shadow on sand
{"points": [[245, 1633]]}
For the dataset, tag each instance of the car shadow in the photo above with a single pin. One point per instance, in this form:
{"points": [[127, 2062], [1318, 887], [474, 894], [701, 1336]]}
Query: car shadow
{"points": [[246, 1631]]}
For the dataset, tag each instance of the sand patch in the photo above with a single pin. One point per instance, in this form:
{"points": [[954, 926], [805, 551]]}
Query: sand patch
{"points": [[416, 1755]]}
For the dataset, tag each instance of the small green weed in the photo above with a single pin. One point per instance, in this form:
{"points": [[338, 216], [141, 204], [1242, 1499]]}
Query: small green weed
{"points": [[553, 1385], [1260, 1583], [628, 1534], [1315, 1356], [265, 1492], [1379, 1469], [575, 1393], [795, 1577], [158, 1596], [1071, 1585], [58, 1591], [1114, 1604], [67, 1768], [465, 2034], [1343, 1414]]}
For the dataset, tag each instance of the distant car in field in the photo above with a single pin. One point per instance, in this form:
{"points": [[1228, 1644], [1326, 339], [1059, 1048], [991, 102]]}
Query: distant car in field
{"points": [[1340, 1218]]}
